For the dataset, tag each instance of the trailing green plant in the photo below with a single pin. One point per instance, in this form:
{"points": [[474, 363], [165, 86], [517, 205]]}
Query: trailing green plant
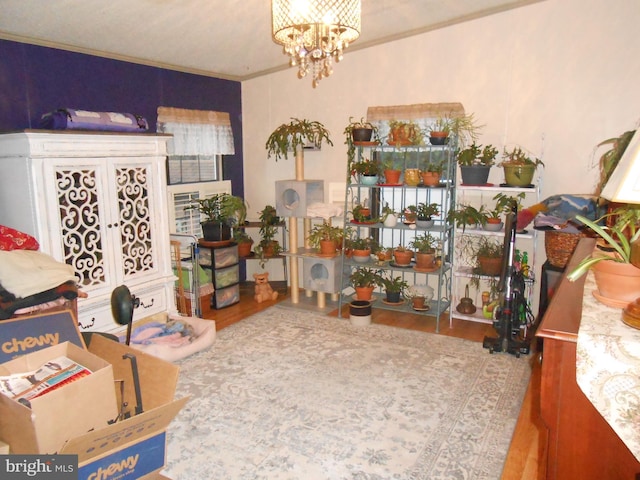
{"points": [[222, 208], [361, 213], [240, 236], [348, 138], [393, 284], [427, 210], [477, 155], [618, 237], [269, 221], [424, 243], [366, 277], [288, 136]]}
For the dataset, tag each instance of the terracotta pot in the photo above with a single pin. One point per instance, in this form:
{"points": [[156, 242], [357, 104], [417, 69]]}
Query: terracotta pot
{"points": [[270, 249], [361, 256], [402, 257], [617, 282], [425, 261], [364, 293], [438, 138], [490, 266], [327, 247], [244, 249], [418, 302], [430, 179], [392, 177]]}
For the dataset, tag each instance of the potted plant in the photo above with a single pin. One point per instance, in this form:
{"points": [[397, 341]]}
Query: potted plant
{"points": [[439, 131], [361, 214], [616, 274], [426, 212], [475, 163], [504, 204], [410, 214], [364, 281], [391, 173], [358, 132], [362, 248], [425, 251], [293, 136], [325, 238], [366, 171], [488, 254], [389, 217], [464, 128], [431, 175], [222, 211], [403, 133], [393, 286], [402, 256], [244, 241], [466, 216], [519, 167], [268, 246]]}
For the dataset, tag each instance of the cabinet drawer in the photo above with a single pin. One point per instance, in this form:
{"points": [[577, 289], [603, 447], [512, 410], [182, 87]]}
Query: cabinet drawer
{"points": [[226, 297], [151, 302]]}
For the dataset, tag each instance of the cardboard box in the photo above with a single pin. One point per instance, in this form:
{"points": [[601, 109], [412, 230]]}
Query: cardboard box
{"points": [[134, 447], [62, 414]]}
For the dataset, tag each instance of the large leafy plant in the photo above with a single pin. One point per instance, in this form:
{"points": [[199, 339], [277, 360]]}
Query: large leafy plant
{"points": [[288, 136]]}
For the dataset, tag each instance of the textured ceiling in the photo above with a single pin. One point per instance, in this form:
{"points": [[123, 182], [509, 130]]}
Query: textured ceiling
{"points": [[222, 38]]}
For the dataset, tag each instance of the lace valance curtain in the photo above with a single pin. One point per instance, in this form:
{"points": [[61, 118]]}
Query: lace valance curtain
{"points": [[422, 114], [196, 132]]}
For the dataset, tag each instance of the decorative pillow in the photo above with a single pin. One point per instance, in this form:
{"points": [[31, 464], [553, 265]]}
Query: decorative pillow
{"points": [[12, 239]]}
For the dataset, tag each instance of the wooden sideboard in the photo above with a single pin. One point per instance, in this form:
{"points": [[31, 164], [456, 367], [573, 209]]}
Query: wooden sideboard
{"points": [[581, 444]]}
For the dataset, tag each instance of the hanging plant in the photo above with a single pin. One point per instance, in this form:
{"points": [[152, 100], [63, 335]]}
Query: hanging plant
{"points": [[288, 136]]}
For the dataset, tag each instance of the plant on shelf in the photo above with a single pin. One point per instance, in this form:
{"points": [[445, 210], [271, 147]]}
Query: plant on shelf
{"points": [[389, 217], [439, 130], [465, 128], [402, 255], [519, 167], [403, 133], [325, 237], [244, 242], [431, 174], [222, 211], [391, 172], [358, 131], [410, 214], [475, 163], [466, 215], [296, 134], [426, 211], [504, 204], [393, 286], [268, 246], [366, 168], [364, 280], [424, 243], [361, 213]]}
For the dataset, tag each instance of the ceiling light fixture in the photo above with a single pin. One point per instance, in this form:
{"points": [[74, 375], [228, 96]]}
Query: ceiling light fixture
{"points": [[314, 32]]}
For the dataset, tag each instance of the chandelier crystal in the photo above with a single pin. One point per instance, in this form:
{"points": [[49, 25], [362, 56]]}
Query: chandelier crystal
{"points": [[314, 33]]}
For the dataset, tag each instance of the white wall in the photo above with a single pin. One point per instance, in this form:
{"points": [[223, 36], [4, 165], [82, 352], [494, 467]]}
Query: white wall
{"points": [[556, 78]]}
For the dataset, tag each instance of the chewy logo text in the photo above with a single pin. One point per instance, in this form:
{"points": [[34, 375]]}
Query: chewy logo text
{"points": [[16, 346], [128, 463]]}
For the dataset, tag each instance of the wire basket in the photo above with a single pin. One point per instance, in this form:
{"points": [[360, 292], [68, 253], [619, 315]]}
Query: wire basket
{"points": [[559, 246]]}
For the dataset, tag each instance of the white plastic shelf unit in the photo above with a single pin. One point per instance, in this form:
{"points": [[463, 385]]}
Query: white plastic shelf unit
{"points": [[398, 197], [526, 241]]}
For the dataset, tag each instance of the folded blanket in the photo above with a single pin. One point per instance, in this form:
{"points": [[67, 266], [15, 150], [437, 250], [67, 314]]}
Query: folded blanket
{"points": [[74, 119], [27, 272]]}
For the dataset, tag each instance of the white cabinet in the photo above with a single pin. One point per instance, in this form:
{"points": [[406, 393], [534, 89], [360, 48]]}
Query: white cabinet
{"points": [[97, 202], [463, 273]]}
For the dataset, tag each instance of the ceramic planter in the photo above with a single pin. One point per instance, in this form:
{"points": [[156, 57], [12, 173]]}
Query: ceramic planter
{"points": [[492, 225], [475, 174], [215, 232], [364, 293], [402, 257], [244, 249], [618, 283], [424, 222], [361, 134], [490, 266], [425, 261], [361, 256], [438, 138], [390, 221], [368, 179], [518, 175], [412, 177]]}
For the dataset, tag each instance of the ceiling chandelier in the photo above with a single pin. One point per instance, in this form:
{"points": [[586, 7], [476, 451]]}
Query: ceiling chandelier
{"points": [[315, 32]]}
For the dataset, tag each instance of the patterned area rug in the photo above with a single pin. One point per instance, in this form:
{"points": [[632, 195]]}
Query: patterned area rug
{"points": [[287, 394]]}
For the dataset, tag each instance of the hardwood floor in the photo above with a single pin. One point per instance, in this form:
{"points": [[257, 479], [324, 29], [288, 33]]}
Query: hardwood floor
{"points": [[529, 440]]}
